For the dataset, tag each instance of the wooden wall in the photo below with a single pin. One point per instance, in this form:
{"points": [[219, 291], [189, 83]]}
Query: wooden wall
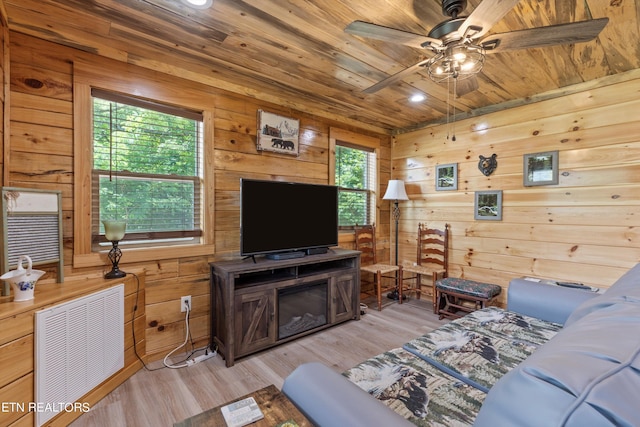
{"points": [[585, 229], [40, 155], [4, 83]]}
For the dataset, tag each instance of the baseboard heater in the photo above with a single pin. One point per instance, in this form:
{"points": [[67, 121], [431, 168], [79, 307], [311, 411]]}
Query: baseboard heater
{"points": [[78, 345]]}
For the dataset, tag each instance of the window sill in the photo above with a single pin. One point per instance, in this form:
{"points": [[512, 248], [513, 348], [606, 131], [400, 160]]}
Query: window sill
{"points": [[96, 259]]}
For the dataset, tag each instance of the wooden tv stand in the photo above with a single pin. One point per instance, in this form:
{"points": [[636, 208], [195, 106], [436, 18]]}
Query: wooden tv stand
{"points": [[245, 297]]}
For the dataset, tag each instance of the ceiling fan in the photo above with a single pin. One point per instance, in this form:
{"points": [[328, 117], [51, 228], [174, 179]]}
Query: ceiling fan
{"points": [[458, 47]]}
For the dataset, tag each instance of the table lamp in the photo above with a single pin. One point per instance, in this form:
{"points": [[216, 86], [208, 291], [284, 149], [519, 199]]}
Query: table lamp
{"points": [[114, 232]]}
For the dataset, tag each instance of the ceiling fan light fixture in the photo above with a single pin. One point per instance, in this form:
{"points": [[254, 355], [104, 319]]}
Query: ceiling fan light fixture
{"points": [[468, 66], [459, 54], [460, 61]]}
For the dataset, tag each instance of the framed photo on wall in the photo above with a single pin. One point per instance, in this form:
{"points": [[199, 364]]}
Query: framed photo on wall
{"points": [[540, 169], [447, 177], [488, 205], [277, 133]]}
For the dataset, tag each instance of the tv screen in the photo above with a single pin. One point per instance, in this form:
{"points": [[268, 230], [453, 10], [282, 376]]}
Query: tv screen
{"points": [[280, 216]]}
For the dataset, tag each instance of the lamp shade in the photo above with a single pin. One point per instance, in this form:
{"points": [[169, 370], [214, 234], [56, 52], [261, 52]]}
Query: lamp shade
{"points": [[114, 230], [395, 190]]}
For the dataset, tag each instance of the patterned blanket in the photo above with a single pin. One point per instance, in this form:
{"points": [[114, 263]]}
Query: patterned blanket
{"points": [[416, 390], [441, 378], [484, 345]]}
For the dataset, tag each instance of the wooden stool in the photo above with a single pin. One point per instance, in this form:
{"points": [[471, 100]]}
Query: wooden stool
{"points": [[454, 295]]}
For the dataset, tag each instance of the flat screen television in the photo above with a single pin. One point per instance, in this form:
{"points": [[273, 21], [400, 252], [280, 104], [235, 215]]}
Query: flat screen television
{"points": [[287, 217]]}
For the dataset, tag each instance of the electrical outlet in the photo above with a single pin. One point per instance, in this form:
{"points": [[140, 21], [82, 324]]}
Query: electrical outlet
{"points": [[184, 303]]}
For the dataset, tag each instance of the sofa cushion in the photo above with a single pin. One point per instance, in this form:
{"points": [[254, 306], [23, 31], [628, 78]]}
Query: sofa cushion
{"points": [[545, 301], [625, 288], [588, 374]]}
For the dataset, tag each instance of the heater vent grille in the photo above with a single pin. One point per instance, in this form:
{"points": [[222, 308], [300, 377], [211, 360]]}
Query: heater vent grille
{"points": [[78, 344]]}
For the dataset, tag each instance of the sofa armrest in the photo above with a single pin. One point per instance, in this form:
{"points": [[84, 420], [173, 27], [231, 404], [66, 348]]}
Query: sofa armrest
{"points": [[544, 301], [329, 399]]}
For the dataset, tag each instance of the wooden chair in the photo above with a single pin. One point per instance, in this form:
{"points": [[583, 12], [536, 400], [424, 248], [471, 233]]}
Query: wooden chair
{"points": [[432, 261], [366, 243]]}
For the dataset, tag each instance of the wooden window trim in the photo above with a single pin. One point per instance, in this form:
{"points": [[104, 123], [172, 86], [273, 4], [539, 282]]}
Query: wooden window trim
{"points": [[150, 85]]}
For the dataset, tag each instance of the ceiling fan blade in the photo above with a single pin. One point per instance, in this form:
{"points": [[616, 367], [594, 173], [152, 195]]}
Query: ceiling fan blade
{"points": [[391, 35], [395, 77], [573, 32], [466, 86], [485, 16]]}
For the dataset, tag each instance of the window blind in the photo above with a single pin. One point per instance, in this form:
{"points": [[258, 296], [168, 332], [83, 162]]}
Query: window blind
{"points": [[147, 168], [356, 180]]}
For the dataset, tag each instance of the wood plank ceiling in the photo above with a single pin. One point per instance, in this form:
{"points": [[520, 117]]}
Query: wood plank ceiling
{"points": [[295, 53]]}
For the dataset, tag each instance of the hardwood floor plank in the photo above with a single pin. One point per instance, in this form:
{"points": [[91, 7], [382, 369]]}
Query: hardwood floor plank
{"points": [[165, 396]]}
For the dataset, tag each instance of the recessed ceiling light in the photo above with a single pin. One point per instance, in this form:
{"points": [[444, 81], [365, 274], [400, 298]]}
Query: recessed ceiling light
{"points": [[198, 4], [418, 97]]}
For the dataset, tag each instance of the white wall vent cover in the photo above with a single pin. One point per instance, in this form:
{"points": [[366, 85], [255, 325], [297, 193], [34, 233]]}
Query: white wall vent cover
{"points": [[78, 345]]}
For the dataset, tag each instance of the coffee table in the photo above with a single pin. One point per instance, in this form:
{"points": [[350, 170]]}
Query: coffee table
{"points": [[275, 406]]}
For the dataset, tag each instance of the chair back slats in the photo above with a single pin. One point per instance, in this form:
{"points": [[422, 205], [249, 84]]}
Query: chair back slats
{"points": [[433, 245], [365, 239], [432, 260], [436, 261], [431, 241]]}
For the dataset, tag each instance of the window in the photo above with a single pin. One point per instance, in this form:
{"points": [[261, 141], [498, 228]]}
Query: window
{"points": [[355, 176], [147, 169]]}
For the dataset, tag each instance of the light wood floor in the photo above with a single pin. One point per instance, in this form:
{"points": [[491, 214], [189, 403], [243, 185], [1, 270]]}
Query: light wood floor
{"points": [[162, 397]]}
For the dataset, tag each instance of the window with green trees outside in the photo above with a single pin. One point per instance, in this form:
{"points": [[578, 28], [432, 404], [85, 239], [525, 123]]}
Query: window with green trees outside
{"points": [[147, 169], [355, 176]]}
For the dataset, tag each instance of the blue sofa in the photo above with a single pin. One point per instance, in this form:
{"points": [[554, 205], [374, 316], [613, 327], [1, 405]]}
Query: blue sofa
{"points": [[556, 357]]}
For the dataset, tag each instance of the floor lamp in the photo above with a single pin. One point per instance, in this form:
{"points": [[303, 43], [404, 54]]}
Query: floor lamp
{"points": [[395, 191]]}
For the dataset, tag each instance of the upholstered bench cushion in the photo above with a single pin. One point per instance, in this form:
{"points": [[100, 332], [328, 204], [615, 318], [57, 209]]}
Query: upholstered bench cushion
{"points": [[468, 287]]}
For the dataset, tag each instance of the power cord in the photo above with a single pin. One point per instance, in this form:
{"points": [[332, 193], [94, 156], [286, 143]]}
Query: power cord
{"points": [[208, 352], [186, 340]]}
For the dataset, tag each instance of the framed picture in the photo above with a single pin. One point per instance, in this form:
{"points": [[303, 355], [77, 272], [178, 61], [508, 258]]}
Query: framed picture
{"points": [[447, 177], [488, 205], [540, 168], [277, 133]]}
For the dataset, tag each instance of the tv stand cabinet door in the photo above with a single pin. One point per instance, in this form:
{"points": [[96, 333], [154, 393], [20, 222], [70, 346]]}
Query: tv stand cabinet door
{"points": [[254, 318], [344, 298]]}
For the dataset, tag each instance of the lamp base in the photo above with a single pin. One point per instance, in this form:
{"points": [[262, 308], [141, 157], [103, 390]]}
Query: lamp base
{"points": [[114, 256], [115, 274], [395, 295]]}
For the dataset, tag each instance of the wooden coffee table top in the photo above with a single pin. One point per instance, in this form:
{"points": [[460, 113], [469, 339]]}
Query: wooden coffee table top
{"points": [[275, 406]]}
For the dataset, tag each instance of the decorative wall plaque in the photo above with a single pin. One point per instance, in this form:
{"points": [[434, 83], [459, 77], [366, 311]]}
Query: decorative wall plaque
{"points": [[277, 133], [488, 164]]}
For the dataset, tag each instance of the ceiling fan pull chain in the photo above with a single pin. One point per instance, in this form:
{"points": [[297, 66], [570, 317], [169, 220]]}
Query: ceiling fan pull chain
{"points": [[448, 106], [455, 90]]}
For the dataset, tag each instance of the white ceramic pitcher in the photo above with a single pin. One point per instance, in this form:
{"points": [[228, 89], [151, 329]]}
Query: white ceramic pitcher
{"points": [[23, 281]]}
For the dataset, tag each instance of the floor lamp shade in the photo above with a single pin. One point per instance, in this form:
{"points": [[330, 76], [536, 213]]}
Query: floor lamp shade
{"points": [[395, 190]]}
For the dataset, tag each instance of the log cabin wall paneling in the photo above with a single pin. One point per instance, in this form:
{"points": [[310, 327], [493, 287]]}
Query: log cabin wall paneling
{"points": [[41, 150], [586, 228]]}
